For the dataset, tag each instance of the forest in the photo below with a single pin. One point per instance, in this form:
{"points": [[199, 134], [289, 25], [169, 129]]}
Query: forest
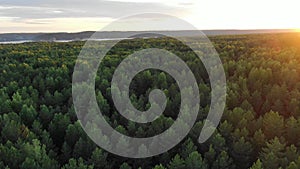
{"points": [[259, 129]]}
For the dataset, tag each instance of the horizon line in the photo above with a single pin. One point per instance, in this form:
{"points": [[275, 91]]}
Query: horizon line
{"points": [[42, 32]]}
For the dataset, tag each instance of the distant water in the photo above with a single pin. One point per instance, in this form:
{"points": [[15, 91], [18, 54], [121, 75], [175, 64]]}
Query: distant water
{"points": [[12, 38], [16, 42], [62, 41]]}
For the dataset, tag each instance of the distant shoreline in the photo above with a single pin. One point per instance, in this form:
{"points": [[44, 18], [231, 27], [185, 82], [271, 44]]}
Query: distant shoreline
{"points": [[58, 41], [15, 38]]}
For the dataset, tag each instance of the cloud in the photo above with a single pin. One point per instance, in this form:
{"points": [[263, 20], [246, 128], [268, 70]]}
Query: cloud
{"points": [[37, 9], [77, 15]]}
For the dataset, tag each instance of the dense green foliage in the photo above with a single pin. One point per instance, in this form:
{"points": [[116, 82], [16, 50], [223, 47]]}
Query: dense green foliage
{"points": [[260, 127]]}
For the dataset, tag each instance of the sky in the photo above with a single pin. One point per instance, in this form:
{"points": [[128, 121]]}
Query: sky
{"points": [[86, 15]]}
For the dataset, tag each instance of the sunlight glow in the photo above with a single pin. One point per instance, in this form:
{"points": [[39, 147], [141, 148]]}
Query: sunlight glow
{"points": [[203, 14]]}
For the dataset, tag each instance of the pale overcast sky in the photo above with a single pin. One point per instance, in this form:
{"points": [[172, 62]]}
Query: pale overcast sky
{"points": [[83, 15]]}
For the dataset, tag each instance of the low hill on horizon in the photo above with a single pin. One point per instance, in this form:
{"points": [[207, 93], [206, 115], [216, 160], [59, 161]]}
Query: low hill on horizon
{"points": [[64, 36]]}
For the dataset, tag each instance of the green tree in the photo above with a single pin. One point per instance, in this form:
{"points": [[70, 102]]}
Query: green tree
{"points": [[292, 130], [273, 125], [242, 152], [292, 165], [83, 148], [57, 128], [73, 133], [99, 159], [28, 114], [195, 161], [210, 155], [223, 161], [272, 155], [37, 157], [177, 163], [77, 164], [11, 131], [159, 167], [187, 148], [257, 165], [125, 166], [45, 115]]}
